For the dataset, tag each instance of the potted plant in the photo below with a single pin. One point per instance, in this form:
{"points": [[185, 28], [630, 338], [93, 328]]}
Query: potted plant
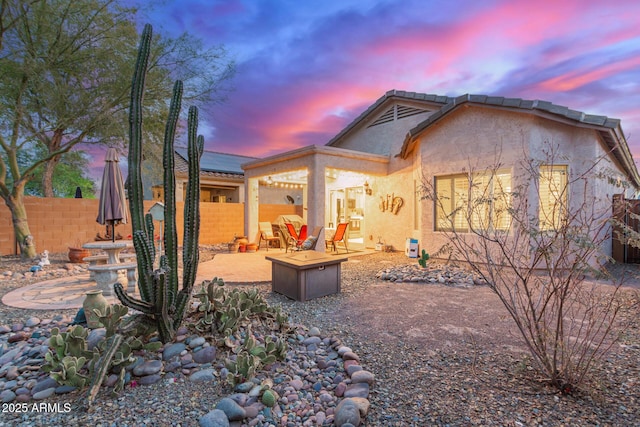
{"points": [[77, 253]]}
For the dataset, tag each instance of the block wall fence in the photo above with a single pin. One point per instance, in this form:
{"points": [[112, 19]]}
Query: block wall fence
{"points": [[57, 223]]}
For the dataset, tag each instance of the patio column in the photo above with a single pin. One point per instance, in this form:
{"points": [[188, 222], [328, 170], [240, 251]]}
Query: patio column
{"points": [[251, 209], [316, 199]]}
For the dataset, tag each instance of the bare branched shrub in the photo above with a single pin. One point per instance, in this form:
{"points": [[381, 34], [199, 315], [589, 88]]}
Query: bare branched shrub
{"points": [[536, 256]]}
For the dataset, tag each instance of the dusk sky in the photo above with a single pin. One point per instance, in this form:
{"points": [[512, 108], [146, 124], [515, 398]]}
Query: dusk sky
{"points": [[306, 69]]}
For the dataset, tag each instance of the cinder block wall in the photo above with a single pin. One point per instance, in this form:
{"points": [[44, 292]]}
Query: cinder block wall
{"points": [[57, 223]]}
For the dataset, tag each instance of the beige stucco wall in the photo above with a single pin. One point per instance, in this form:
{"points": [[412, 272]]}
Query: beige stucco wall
{"points": [[384, 138], [393, 229], [474, 138]]}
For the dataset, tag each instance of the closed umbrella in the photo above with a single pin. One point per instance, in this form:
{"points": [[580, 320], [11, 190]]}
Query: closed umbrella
{"points": [[113, 203]]}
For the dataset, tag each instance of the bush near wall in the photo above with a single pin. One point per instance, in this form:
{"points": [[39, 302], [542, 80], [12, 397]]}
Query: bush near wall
{"points": [[58, 223]]}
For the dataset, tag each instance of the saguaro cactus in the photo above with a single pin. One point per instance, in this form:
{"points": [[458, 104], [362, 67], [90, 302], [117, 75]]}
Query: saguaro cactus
{"points": [[161, 301]]}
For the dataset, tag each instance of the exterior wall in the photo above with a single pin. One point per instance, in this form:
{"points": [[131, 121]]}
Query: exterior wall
{"points": [[278, 195], [58, 223], [475, 138], [392, 229]]}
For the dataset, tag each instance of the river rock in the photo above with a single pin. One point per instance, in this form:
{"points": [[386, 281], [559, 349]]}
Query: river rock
{"points": [[173, 350], [350, 355], [149, 379], [233, 411], [215, 418], [205, 355], [362, 377], [9, 356], [12, 373], [196, 342], [149, 367], [32, 321], [347, 413], [19, 336], [95, 336], [314, 332], [296, 383], [353, 368], [44, 384], [202, 376], [48, 392], [357, 390], [7, 396], [362, 404]]}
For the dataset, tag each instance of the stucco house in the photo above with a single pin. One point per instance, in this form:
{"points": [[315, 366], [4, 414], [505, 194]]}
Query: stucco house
{"points": [[370, 173], [221, 177]]}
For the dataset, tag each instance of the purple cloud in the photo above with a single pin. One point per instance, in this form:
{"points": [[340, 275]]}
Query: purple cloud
{"points": [[306, 69]]}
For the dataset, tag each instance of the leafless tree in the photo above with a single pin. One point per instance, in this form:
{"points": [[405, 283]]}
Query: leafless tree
{"points": [[538, 245]]}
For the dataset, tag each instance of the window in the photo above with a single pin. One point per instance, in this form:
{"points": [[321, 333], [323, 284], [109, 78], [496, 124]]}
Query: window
{"points": [[481, 202], [552, 196]]}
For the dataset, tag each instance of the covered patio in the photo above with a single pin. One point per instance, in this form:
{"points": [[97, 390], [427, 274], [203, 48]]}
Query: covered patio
{"points": [[331, 184]]}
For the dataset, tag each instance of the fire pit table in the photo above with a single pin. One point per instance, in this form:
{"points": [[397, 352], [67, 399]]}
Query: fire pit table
{"points": [[305, 275]]}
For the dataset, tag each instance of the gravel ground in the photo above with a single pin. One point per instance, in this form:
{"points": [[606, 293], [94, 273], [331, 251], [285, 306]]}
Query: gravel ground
{"points": [[441, 356]]}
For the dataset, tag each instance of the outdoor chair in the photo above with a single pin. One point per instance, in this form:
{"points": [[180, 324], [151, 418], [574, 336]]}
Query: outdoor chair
{"points": [[339, 236], [266, 234], [295, 239]]}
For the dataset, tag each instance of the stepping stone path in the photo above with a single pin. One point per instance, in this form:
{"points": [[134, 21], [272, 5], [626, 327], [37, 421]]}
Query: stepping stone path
{"points": [[320, 383]]}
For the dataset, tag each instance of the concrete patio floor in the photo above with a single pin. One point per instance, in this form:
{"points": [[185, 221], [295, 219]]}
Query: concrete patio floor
{"points": [[69, 292]]}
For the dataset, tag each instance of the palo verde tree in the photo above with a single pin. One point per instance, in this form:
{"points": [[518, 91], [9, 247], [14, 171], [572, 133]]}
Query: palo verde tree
{"points": [[535, 245], [65, 68]]}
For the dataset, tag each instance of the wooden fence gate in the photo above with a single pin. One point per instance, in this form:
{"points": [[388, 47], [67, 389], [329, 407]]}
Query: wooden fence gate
{"points": [[627, 212]]}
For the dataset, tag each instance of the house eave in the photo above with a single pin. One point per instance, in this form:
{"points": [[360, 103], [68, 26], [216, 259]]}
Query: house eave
{"points": [[312, 150], [608, 128]]}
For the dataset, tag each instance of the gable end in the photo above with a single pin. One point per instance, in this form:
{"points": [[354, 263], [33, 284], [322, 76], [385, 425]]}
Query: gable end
{"points": [[397, 112]]}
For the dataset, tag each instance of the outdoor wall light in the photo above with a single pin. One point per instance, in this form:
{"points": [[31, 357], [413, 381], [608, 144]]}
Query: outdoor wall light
{"points": [[367, 189], [269, 181]]}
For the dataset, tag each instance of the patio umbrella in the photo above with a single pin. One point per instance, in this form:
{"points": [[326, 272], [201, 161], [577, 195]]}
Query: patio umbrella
{"points": [[113, 203]]}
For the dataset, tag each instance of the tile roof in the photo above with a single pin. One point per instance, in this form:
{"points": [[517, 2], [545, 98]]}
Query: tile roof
{"points": [[608, 128], [213, 163], [517, 103]]}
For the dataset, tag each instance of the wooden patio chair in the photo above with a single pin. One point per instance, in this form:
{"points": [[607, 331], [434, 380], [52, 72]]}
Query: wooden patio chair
{"points": [[339, 236], [266, 234]]}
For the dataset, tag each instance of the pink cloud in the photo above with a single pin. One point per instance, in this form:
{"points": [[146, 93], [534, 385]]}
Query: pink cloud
{"points": [[304, 76], [576, 78]]}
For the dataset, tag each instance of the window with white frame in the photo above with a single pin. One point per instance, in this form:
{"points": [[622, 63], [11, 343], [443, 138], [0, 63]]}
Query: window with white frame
{"points": [[552, 196], [480, 201]]}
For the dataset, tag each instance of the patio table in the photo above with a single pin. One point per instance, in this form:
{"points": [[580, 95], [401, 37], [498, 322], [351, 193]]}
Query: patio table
{"points": [[112, 249], [106, 275]]}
